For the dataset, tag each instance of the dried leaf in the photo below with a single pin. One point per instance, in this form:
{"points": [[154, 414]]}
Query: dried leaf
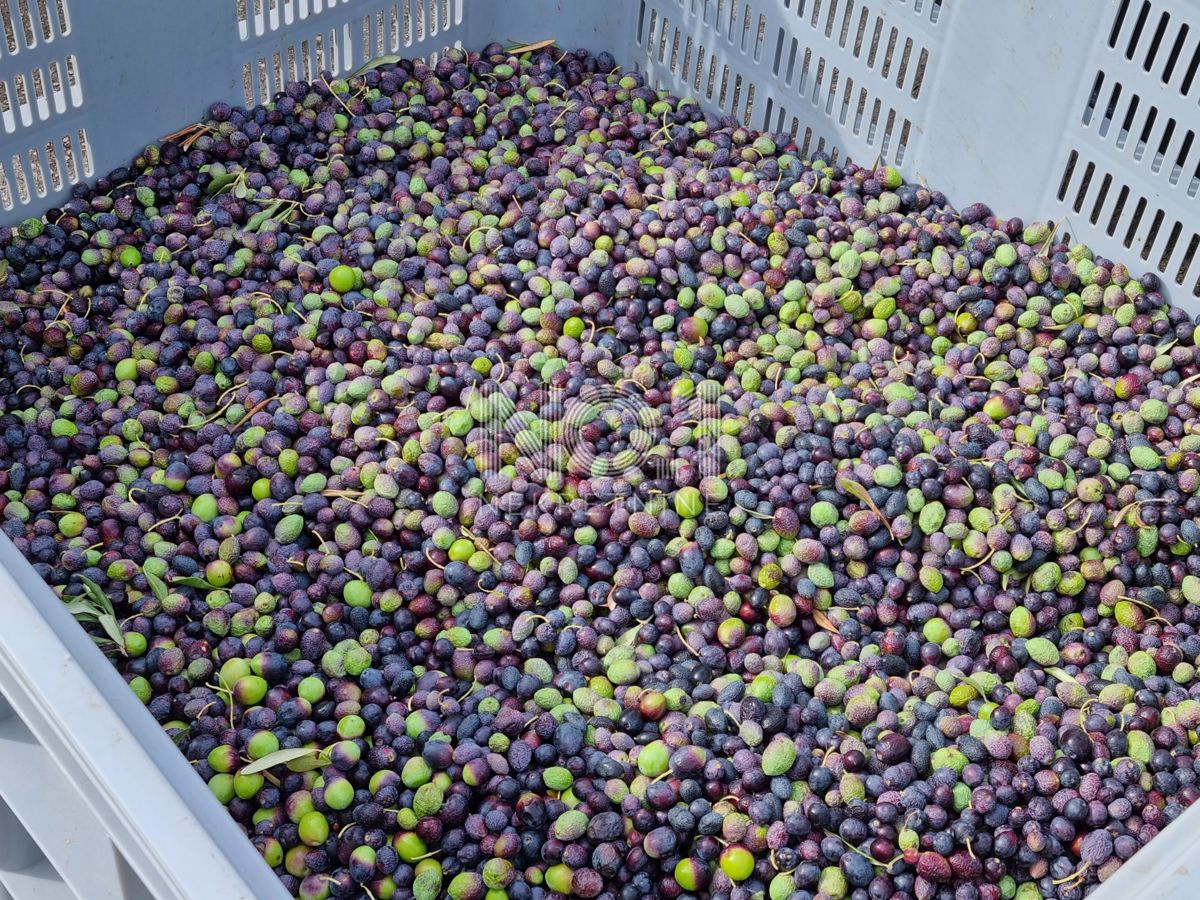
{"points": [[280, 757], [824, 621], [389, 59], [187, 132], [158, 587], [856, 490], [527, 48], [860, 493]]}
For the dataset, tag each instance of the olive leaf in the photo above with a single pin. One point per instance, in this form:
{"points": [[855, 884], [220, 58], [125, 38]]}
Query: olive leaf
{"points": [[824, 621], [389, 59], [158, 587], [177, 732], [528, 48], [629, 637], [220, 181], [858, 492], [1061, 674], [968, 679], [260, 218], [94, 606], [282, 757], [81, 609], [306, 765], [194, 581]]}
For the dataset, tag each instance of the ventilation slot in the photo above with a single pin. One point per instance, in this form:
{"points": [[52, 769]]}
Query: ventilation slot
{"points": [[1067, 172], [1156, 41], [267, 76], [1118, 20], [29, 176], [40, 94], [898, 57], [1171, 146], [880, 126], [1093, 98], [1185, 262], [1118, 208], [1138, 25], [6, 195], [1101, 195], [20, 180], [259, 17], [381, 32], [1151, 39], [27, 23], [10, 31], [1165, 242]]}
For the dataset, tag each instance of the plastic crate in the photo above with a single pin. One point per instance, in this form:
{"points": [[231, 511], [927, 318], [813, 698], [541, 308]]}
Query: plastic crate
{"points": [[95, 799], [1060, 110], [1079, 112]]}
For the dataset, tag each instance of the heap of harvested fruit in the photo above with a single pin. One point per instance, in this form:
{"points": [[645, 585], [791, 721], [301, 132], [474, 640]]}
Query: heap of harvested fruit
{"points": [[506, 480]]}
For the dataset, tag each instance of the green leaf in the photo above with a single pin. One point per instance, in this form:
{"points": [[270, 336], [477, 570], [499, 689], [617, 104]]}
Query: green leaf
{"points": [[973, 682], [113, 629], [90, 586], [629, 637], [279, 758], [81, 609], [389, 59], [1061, 674], [307, 765], [220, 181], [194, 581], [178, 735], [158, 587], [260, 218], [98, 596]]}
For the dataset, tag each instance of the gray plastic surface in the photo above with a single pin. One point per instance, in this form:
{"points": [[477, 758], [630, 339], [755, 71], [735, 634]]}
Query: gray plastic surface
{"points": [[1079, 112], [95, 799]]}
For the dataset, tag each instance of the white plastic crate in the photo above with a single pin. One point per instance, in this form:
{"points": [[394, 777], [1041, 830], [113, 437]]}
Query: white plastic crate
{"points": [[1079, 111]]}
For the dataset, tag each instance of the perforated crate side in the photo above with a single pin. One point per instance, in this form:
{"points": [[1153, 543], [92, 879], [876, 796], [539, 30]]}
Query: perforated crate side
{"points": [[1079, 112], [96, 802], [1127, 174], [840, 76], [85, 85], [1054, 109]]}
